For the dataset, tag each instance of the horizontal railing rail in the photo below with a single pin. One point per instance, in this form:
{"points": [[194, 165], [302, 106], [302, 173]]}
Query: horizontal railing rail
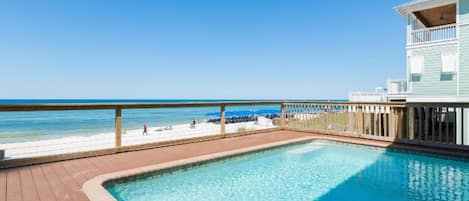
{"points": [[61, 107], [58, 107], [432, 124], [368, 96]]}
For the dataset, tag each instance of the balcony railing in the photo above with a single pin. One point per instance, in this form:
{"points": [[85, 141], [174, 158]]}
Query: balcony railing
{"points": [[378, 96], [397, 87], [432, 124], [433, 34]]}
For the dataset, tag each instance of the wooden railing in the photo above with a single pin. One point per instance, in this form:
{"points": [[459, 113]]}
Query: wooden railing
{"points": [[433, 34], [30, 154], [433, 124], [382, 121], [438, 123]]}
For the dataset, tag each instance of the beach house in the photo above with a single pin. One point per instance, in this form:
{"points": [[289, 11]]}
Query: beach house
{"points": [[437, 52]]}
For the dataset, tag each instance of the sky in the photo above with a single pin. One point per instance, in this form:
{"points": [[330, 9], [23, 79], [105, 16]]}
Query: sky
{"points": [[198, 49]]}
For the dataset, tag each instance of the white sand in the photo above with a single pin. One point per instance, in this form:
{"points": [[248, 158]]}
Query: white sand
{"points": [[130, 137]]}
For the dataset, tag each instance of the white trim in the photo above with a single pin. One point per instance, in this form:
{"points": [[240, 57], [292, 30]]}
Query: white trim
{"points": [[433, 43], [450, 99], [417, 64], [458, 53], [409, 77], [453, 59]]}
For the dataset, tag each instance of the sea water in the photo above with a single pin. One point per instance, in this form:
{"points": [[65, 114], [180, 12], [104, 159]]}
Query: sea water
{"points": [[314, 171], [33, 126]]}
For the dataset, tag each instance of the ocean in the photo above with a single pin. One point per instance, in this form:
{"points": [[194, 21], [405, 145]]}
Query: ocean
{"points": [[34, 126]]}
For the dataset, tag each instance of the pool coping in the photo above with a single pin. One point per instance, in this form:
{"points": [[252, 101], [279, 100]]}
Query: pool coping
{"points": [[95, 191]]}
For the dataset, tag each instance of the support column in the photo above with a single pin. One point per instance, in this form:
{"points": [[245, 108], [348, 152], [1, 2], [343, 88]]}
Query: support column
{"points": [[411, 120], [465, 126]]}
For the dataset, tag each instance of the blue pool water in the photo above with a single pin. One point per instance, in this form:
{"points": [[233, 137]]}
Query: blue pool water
{"points": [[313, 171]]}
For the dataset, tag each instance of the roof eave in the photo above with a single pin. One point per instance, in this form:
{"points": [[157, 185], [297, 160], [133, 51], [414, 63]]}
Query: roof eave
{"points": [[412, 6]]}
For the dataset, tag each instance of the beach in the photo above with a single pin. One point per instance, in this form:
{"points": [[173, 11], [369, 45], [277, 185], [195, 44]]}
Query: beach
{"points": [[72, 144]]}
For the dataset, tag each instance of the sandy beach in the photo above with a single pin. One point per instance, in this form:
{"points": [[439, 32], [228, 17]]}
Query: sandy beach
{"points": [[129, 137]]}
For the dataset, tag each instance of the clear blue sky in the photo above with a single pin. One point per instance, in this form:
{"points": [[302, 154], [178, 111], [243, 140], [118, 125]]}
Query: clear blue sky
{"points": [[198, 48]]}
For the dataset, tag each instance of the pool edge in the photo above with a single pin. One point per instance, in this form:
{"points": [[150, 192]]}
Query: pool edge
{"points": [[95, 191]]}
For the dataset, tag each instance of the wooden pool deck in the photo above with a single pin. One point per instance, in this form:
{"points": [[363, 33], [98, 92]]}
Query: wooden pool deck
{"points": [[62, 181]]}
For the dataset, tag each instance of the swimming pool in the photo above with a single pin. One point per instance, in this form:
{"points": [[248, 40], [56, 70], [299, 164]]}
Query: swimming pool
{"points": [[319, 170]]}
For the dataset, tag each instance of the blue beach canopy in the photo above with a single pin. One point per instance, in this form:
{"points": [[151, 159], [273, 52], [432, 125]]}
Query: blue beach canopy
{"points": [[243, 113]]}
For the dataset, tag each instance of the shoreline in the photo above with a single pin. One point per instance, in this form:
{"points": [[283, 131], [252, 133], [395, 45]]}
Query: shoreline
{"points": [[78, 143]]}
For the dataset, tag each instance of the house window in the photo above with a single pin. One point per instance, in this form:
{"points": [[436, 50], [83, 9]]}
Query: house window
{"points": [[449, 62], [416, 65]]}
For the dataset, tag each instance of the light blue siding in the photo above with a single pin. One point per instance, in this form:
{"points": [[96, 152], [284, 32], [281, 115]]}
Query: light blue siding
{"points": [[464, 47], [432, 82]]}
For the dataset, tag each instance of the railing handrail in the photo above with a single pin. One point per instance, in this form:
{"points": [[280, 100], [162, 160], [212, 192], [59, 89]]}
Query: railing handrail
{"points": [[366, 93], [393, 104], [438, 104], [434, 28], [106, 106], [397, 80], [63, 107]]}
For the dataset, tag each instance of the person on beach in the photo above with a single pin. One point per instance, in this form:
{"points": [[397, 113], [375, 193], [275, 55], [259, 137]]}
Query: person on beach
{"points": [[193, 124], [145, 129]]}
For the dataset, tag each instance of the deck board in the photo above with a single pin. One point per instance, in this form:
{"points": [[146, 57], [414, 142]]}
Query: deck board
{"points": [[3, 186], [68, 180], [59, 190], [42, 186], [86, 168], [13, 186], [77, 174], [28, 188]]}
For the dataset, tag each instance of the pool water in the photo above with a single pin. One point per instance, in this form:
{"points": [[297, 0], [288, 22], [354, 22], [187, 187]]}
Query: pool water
{"points": [[311, 171]]}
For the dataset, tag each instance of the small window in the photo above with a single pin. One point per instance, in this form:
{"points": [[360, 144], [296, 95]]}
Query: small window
{"points": [[416, 65], [449, 62]]}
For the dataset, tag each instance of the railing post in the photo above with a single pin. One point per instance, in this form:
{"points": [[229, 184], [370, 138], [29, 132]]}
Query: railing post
{"points": [[351, 119], [118, 127], [363, 120], [222, 119], [283, 116]]}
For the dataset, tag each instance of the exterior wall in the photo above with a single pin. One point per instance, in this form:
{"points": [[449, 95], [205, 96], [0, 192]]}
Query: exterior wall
{"points": [[463, 47], [432, 82]]}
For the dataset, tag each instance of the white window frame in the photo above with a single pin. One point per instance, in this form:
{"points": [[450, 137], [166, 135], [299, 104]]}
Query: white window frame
{"points": [[454, 68], [412, 63]]}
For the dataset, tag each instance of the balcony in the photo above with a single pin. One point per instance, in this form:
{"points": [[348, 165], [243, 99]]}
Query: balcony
{"points": [[432, 35], [397, 90]]}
